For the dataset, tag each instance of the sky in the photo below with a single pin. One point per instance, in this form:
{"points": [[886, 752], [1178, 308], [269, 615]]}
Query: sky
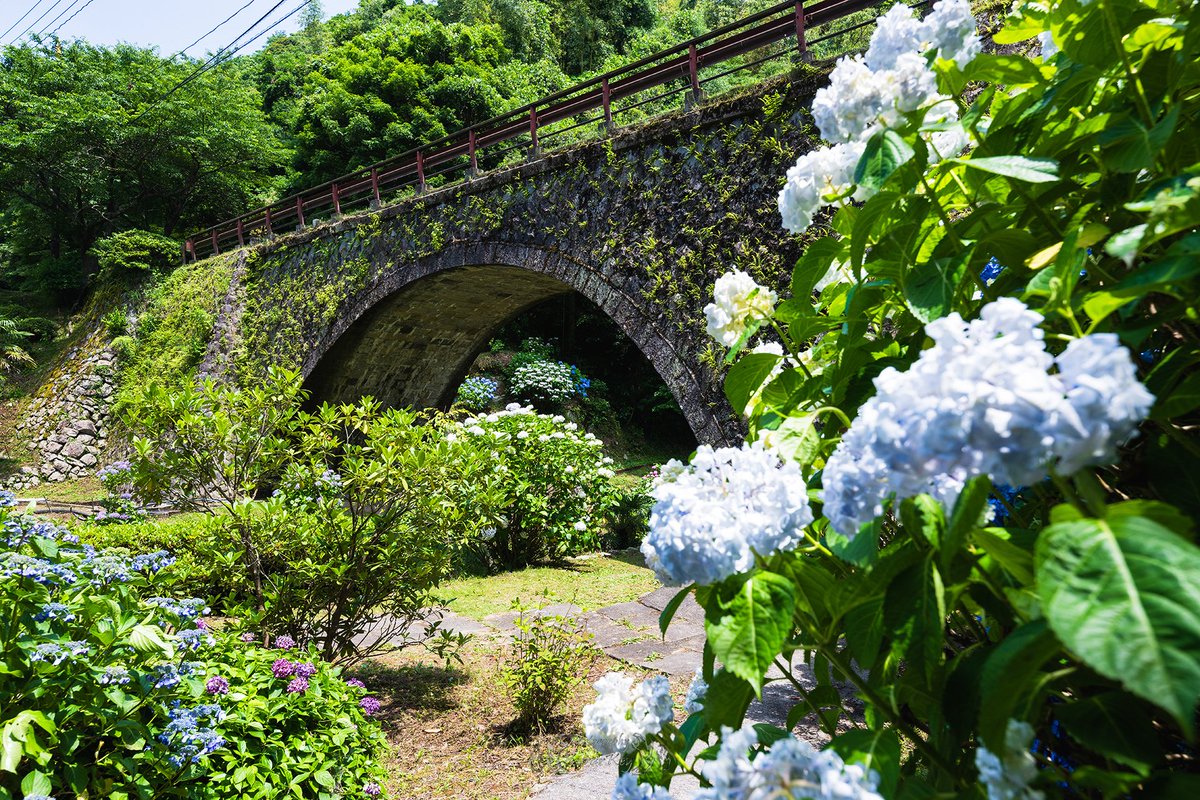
{"points": [[169, 25]]}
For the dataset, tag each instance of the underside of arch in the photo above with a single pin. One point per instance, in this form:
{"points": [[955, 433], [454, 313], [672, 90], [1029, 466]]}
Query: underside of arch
{"points": [[414, 347]]}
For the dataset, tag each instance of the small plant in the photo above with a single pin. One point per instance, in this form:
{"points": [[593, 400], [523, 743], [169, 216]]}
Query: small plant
{"points": [[118, 506], [550, 655], [477, 393], [116, 322]]}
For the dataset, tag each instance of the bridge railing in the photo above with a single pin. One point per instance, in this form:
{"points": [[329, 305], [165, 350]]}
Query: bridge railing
{"points": [[790, 30]]}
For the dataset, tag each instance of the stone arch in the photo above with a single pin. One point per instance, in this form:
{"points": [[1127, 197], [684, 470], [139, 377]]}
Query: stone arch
{"points": [[410, 337]]}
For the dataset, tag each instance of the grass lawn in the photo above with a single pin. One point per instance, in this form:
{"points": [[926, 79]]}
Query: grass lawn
{"points": [[589, 583], [77, 490]]}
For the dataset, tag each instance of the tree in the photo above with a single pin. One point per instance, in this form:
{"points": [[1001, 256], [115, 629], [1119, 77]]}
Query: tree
{"points": [[93, 140]]}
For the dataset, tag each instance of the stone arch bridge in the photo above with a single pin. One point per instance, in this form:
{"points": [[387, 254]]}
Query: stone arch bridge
{"points": [[397, 302]]}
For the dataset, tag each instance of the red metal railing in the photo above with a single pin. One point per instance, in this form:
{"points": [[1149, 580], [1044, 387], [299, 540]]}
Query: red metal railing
{"points": [[616, 94]]}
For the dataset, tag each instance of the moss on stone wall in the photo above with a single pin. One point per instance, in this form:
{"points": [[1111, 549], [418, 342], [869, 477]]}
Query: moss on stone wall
{"points": [[171, 334]]}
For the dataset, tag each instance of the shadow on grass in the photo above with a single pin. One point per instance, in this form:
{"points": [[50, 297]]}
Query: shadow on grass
{"points": [[520, 732], [417, 687], [633, 556]]}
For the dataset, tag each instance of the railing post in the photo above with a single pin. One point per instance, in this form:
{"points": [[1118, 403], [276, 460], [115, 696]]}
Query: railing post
{"points": [[375, 186], [267, 217], [471, 149], [694, 74], [420, 172], [801, 38], [216, 247], [337, 199], [187, 248], [606, 94], [241, 233], [300, 211], [535, 150]]}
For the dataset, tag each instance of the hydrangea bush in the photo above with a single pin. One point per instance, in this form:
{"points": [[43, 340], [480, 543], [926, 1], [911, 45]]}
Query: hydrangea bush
{"points": [[477, 393], [545, 383], [111, 686], [554, 480], [970, 491]]}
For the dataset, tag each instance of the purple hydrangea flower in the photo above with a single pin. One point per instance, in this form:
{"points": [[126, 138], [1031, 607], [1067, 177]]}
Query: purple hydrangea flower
{"points": [[306, 670], [371, 789], [248, 637], [356, 683], [282, 668], [369, 705], [298, 686], [217, 685], [285, 642]]}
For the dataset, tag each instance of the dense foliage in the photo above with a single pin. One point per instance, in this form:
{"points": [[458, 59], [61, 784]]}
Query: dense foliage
{"points": [[110, 685], [966, 496]]}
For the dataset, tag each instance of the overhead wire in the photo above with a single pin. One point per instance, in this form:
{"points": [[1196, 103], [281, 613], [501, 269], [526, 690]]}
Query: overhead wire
{"points": [[73, 16], [22, 19], [61, 14], [225, 53], [38, 21], [218, 26]]}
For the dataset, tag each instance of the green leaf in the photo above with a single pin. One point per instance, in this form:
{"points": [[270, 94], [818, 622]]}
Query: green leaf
{"points": [[1031, 170], [816, 261], [18, 739], [668, 612], [746, 377], [37, 783], [874, 750], [1123, 594], [864, 630], [884, 154], [1116, 726], [149, 638], [325, 779], [748, 627], [726, 701], [1009, 675], [929, 287]]}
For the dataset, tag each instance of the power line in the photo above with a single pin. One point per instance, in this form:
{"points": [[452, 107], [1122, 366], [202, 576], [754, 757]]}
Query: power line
{"points": [[225, 53], [73, 16], [22, 19], [74, 3], [38, 21], [220, 25]]}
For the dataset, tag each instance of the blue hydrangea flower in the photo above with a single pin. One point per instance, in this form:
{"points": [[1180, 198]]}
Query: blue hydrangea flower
{"points": [[7, 499], [114, 675], [163, 676], [56, 653], [991, 270], [181, 611], [39, 570], [191, 733], [153, 562], [55, 611], [195, 638]]}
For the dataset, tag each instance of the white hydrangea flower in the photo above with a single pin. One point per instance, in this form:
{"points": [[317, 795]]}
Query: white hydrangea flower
{"points": [[1049, 46], [1008, 777], [1102, 387], [714, 515], [622, 716], [848, 108], [951, 30], [897, 33], [738, 301], [628, 788], [790, 768], [981, 401], [816, 179], [694, 703]]}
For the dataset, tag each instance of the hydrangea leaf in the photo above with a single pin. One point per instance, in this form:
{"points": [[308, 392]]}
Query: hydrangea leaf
{"points": [[885, 153], [726, 701], [1123, 594], [1022, 168], [1114, 724], [1007, 675], [746, 377], [877, 750], [748, 626]]}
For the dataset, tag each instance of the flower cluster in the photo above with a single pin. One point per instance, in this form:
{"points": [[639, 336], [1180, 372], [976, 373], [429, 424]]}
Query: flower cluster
{"points": [[789, 768], [713, 516], [543, 381], [738, 302], [56, 653], [697, 691], [477, 393], [981, 401], [216, 685], [285, 642], [370, 706], [1007, 776], [177, 612], [195, 638], [191, 733], [628, 788], [624, 715], [892, 83]]}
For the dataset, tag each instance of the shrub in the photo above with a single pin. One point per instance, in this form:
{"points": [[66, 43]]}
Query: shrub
{"points": [[114, 687], [544, 383], [137, 251], [118, 505], [555, 485], [369, 505], [39, 329], [477, 393], [549, 656]]}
